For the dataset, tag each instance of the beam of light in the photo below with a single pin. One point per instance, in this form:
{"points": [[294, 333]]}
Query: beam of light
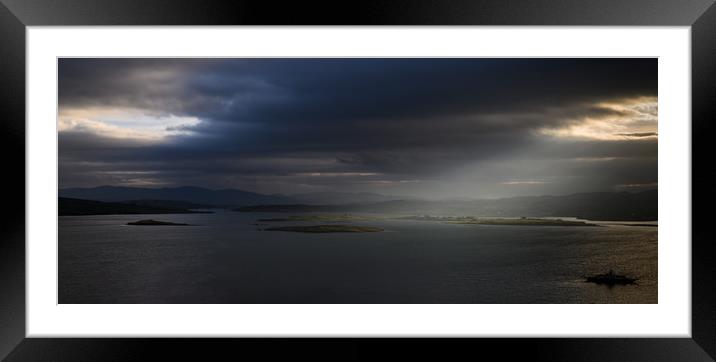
{"points": [[335, 174]]}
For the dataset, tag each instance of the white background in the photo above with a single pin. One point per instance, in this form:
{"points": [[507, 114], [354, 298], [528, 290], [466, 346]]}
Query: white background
{"points": [[670, 317]]}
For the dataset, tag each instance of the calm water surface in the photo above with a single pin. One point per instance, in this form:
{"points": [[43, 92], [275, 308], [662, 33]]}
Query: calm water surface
{"points": [[227, 259]]}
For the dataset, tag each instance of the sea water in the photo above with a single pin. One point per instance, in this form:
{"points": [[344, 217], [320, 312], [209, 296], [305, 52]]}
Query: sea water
{"points": [[224, 257]]}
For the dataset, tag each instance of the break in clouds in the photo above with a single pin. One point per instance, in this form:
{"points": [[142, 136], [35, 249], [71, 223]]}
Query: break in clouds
{"points": [[432, 128]]}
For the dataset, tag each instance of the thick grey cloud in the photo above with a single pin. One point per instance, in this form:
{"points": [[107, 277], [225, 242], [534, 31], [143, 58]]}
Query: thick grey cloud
{"points": [[409, 126]]}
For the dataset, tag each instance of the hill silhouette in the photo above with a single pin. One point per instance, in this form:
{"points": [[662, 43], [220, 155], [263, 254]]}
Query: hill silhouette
{"points": [[188, 194]]}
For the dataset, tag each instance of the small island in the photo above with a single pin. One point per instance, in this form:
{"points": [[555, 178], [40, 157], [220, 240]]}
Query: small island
{"points": [[327, 229], [150, 222], [611, 279], [523, 221]]}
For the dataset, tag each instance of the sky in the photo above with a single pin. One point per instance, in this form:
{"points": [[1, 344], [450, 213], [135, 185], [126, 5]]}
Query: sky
{"points": [[432, 128]]}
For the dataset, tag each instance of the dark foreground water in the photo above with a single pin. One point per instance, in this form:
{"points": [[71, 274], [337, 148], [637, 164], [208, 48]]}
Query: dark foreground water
{"points": [[226, 259]]}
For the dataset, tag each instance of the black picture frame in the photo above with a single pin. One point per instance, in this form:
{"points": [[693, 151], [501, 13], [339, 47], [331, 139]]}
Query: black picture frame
{"points": [[16, 15]]}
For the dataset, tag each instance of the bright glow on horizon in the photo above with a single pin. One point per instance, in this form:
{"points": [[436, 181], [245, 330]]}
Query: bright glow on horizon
{"points": [[628, 119], [124, 123]]}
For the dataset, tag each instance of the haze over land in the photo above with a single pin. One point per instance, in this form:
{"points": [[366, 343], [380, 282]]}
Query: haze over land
{"points": [[312, 130], [596, 206]]}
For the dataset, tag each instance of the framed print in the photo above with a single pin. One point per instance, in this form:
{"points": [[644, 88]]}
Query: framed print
{"points": [[517, 176]]}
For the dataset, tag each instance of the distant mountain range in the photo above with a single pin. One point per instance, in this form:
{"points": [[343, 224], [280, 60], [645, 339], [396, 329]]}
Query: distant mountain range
{"points": [[593, 206], [197, 197], [187, 194], [69, 207]]}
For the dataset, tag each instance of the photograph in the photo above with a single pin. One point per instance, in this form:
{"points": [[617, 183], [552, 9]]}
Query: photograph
{"points": [[357, 180]]}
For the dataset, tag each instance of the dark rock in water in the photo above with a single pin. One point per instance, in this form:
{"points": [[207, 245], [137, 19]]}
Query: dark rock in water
{"points": [[155, 222], [611, 279]]}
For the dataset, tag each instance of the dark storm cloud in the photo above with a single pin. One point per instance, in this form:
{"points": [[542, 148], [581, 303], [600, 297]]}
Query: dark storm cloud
{"points": [[290, 92], [399, 118]]}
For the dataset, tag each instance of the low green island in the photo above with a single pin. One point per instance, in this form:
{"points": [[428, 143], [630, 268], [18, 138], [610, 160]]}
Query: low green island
{"points": [[326, 229], [150, 222], [461, 220], [524, 221]]}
